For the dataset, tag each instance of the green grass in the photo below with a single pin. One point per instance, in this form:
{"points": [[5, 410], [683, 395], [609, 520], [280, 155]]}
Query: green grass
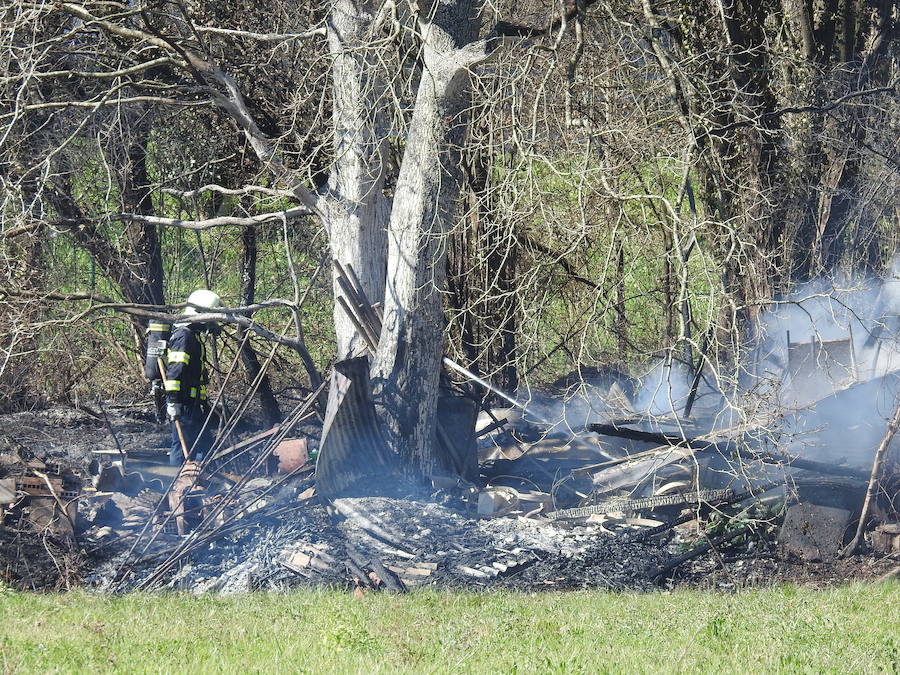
{"points": [[848, 629]]}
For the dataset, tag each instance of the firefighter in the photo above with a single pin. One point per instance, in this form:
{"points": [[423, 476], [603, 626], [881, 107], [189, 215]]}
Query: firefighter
{"points": [[187, 378]]}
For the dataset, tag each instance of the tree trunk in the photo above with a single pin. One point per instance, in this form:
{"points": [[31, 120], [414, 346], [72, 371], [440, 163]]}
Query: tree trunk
{"points": [[249, 358], [407, 366], [481, 265], [621, 328], [461, 263], [144, 238], [137, 270], [668, 282], [355, 205]]}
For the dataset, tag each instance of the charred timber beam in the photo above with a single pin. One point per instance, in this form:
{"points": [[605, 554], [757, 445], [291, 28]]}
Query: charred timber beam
{"points": [[638, 435], [733, 499], [663, 570], [390, 580], [724, 448], [493, 426], [645, 503], [659, 529]]}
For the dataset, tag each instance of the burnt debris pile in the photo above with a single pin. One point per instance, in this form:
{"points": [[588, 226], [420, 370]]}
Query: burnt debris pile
{"points": [[628, 501], [609, 481]]}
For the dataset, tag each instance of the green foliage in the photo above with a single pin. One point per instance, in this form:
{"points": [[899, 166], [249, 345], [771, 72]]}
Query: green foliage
{"points": [[567, 211]]}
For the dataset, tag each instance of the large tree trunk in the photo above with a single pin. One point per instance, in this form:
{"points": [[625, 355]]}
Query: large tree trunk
{"points": [[355, 206], [742, 166], [407, 366], [143, 237], [481, 264], [137, 270], [120, 267]]}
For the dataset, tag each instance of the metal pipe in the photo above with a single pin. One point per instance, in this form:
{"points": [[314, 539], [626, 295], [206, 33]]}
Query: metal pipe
{"points": [[487, 385]]}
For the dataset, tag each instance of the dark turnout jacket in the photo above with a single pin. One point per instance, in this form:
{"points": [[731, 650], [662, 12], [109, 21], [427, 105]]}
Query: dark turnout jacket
{"points": [[186, 373]]}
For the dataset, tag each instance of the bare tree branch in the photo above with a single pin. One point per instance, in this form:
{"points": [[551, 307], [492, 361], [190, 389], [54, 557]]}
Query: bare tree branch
{"points": [[793, 110], [97, 74], [264, 37], [247, 189], [222, 221]]}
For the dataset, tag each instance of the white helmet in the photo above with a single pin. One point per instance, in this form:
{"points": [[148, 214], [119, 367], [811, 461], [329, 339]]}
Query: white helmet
{"points": [[204, 300]]}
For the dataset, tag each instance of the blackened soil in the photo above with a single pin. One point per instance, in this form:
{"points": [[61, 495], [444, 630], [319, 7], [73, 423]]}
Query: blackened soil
{"points": [[527, 555]]}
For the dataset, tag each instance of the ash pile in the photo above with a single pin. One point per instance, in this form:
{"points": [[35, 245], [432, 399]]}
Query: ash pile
{"points": [[428, 544], [265, 527], [621, 504]]}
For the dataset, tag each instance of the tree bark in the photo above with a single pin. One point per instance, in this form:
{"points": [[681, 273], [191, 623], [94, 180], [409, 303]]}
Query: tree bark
{"points": [[407, 365], [137, 270], [267, 400], [482, 258], [621, 328], [355, 205], [143, 237]]}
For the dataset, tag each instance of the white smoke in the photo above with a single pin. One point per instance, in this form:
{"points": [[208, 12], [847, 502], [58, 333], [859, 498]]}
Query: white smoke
{"points": [[590, 399], [825, 398], [815, 318], [838, 386]]}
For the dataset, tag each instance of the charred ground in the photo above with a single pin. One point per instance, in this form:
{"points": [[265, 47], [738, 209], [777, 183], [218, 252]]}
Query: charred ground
{"points": [[284, 537]]}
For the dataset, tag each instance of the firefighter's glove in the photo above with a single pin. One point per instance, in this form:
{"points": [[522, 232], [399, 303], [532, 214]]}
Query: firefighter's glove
{"points": [[173, 411]]}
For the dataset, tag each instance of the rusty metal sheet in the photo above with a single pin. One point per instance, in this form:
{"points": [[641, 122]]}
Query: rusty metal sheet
{"points": [[459, 414]]}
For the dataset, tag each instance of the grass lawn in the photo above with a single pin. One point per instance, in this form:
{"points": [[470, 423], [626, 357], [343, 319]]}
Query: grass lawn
{"points": [[855, 628]]}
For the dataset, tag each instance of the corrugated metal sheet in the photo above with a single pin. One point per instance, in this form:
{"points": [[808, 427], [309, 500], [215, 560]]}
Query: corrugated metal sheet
{"points": [[354, 458]]}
